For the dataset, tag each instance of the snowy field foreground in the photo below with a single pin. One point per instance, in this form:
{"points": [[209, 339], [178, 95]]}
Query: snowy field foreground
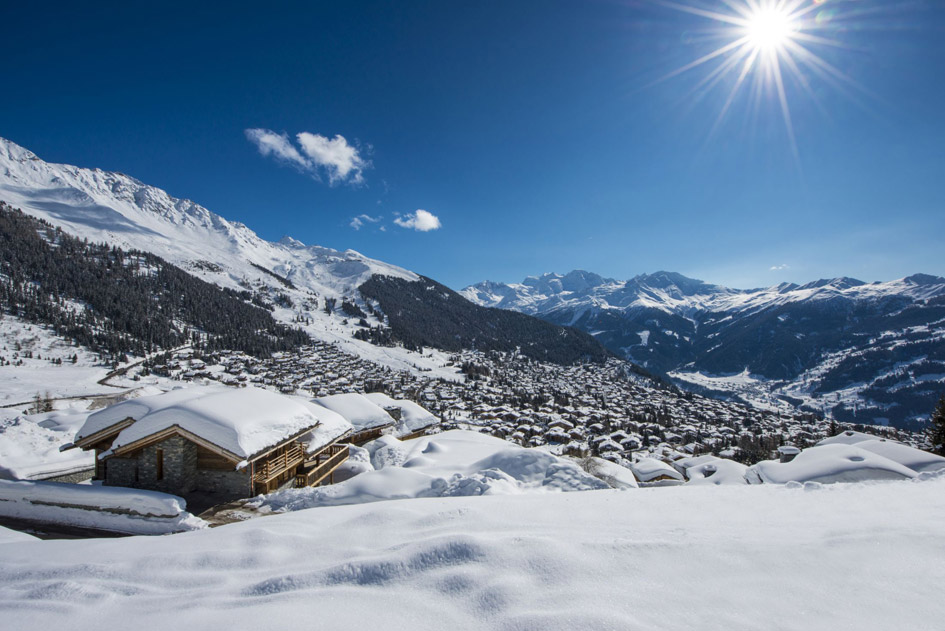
{"points": [[856, 556]]}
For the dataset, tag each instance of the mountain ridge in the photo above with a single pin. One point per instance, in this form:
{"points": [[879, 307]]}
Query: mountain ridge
{"points": [[839, 344]]}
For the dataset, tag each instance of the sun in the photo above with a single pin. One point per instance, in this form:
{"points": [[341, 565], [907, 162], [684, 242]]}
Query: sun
{"points": [[770, 29], [765, 48]]}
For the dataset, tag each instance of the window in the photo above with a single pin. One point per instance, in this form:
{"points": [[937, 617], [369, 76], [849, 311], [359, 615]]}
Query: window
{"points": [[159, 454]]}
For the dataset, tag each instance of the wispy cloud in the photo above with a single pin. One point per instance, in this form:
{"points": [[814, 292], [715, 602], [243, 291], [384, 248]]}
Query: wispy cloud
{"points": [[358, 222], [316, 154], [421, 220], [778, 268], [279, 146]]}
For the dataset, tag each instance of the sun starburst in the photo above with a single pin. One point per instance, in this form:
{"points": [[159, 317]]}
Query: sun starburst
{"points": [[763, 43]]}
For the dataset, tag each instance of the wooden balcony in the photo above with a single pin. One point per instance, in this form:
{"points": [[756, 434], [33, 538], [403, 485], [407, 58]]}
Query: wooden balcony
{"points": [[322, 465], [278, 463]]}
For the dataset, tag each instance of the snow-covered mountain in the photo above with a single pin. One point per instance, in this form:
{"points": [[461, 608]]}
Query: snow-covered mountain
{"points": [[876, 350], [307, 286], [120, 210], [676, 294]]}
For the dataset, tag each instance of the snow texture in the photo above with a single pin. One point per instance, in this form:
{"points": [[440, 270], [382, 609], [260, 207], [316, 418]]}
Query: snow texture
{"points": [[30, 445], [731, 557]]}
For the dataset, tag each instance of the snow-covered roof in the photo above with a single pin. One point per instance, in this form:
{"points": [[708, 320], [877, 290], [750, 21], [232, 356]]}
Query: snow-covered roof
{"points": [[832, 463], [647, 469], [360, 411], [413, 417], [242, 422]]}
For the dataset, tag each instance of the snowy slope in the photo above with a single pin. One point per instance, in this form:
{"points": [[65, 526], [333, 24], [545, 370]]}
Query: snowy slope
{"points": [[120, 210], [859, 556]]}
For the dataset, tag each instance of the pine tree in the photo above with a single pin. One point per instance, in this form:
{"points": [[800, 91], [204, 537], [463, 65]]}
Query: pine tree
{"points": [[936, 431]]}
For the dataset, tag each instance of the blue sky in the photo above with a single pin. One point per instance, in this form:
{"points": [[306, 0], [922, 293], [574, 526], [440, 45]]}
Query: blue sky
{"points": [[539, 135]]}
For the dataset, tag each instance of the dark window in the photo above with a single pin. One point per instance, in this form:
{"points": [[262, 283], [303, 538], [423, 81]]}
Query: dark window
{"points": [[160, 464]]}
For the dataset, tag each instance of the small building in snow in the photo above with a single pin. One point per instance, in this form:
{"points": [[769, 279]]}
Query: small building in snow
{"points": [[216, 443]]}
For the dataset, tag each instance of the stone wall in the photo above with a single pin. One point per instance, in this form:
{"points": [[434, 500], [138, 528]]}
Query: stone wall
{"points": [[178, 472], [74, 478], [229, 485]]}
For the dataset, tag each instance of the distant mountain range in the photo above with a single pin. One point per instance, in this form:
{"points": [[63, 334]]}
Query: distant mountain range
{"points": [[868, 352]]}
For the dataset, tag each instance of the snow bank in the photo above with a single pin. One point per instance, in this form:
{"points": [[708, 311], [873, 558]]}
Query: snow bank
{"points": [[29, 445], [915, 459], [731, 557], [243, 421], [105, 508], [717, 471], [14, 536], [613, 474], [454, 463], [357, 409], [836, 462], [848, 437], [413, 417]]}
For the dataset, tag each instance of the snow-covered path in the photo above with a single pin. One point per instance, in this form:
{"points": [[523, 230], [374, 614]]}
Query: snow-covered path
{"points": [[863, 556]]}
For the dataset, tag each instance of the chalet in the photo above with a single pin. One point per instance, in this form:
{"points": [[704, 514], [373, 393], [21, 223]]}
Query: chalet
{"points": [[215, 443]]}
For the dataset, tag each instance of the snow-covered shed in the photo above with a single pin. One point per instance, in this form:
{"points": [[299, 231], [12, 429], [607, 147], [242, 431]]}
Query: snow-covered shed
{"points": [[219, 442]]}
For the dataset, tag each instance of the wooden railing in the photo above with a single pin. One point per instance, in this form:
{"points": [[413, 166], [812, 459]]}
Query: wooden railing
{"points": [[322, 465], [279, 463]]}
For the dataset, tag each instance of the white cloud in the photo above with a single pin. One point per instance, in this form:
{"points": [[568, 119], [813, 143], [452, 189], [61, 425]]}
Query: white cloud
{"points": [[358, 222], [778, 268], [278, 145], [341, 161], [421, 220]]}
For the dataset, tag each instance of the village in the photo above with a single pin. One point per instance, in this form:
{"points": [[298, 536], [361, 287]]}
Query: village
{"points": [[235, 436], [610, 410]]}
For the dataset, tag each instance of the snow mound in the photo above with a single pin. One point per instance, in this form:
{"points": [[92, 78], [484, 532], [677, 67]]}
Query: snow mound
{"points": [[915, 459], [717, 471], [830, 463], [460, 463], [30, 445], [848, 437], [116, 509]]}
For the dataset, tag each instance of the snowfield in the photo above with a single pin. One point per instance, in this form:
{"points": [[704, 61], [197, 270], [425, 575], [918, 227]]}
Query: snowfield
{"points": [[859, 556]]}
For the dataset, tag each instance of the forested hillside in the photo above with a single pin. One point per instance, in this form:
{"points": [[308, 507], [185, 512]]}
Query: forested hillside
{"points": [[426, 313], [115, 301]]}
